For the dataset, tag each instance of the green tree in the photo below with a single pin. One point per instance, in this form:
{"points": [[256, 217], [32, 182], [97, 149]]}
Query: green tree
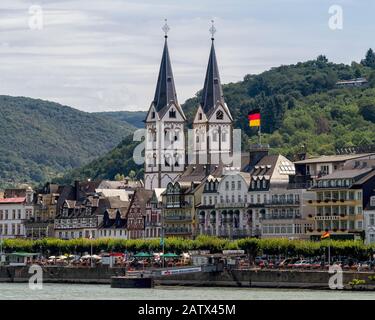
{"points": [[369, 60], [367, 109]]}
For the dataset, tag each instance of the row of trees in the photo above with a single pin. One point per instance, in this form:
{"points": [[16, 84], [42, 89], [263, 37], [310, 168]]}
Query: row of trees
{"points": [[252, 246]]}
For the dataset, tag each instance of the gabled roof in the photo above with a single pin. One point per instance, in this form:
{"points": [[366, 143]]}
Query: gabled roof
{"points": [[212, 91]]}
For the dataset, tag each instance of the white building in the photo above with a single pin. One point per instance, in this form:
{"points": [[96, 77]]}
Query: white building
{"points": [[369, 221], [14, 212]]}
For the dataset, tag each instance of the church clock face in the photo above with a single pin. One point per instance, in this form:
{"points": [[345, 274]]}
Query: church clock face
{"points": [[219, 115]]}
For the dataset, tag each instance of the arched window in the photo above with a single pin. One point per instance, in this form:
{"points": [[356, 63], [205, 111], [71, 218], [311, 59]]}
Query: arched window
{"points": [[172, 113], [177, 160], [224, 136], [214, 135], [167, 160]]}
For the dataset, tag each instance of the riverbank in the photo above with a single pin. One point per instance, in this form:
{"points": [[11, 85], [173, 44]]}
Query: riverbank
{"points": [[297, 279]]}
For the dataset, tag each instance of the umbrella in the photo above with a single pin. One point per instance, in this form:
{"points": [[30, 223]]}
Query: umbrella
{"points": [[61, 257], [170, 255], [96, 257], [52, 257], [87, 256], [143, 255]]}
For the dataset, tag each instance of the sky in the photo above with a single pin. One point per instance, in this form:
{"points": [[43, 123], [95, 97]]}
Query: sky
{"points": [[104, 55]]}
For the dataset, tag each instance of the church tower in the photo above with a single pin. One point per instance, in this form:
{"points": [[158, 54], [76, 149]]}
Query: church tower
{"points": [[213, 122], [165, 124]]}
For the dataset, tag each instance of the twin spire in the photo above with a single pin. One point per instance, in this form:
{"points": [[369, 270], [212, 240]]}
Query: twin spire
{"points": [[165, 92]]}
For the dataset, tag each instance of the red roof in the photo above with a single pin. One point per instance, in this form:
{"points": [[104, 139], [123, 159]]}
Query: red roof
{"points": [[13, 200]]}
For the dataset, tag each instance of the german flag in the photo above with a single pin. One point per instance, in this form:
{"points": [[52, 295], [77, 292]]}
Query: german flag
{"points": [[325, 235], [254, 118]]}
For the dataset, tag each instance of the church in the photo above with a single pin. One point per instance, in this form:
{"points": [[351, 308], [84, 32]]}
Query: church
{"points": [[167, 157]]}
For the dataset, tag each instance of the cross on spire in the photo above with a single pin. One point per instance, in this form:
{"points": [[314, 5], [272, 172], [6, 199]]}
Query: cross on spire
{"points": [[165, 28], [212, 30]]}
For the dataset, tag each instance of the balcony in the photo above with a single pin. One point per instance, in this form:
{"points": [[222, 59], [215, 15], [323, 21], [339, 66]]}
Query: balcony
{"points": [[177, 219], [332, 202], [231, 205], [286, 202], [152, 224], [177, 231], [178, 205], [282, 217]]}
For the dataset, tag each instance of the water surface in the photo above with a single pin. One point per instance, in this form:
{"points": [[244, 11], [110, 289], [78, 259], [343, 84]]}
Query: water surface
{"points": [[21, 291]]}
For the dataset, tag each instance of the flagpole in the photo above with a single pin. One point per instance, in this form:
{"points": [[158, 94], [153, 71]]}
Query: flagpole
{"points": [[260, 135], [329, 252]]}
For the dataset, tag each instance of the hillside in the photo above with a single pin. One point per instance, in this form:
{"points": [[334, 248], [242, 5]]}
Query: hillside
{"points": [[300, 107], [134, 118], [40, 139]]}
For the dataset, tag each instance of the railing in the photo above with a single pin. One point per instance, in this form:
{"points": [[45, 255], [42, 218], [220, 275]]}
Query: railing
{"points": [[177, 230], [177, 205], [177, 218], [153, 224], [282, 202], [231, 205], [281, 217]]}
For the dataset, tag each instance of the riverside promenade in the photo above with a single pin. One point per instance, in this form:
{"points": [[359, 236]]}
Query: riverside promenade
{"points": [[257, 278]]}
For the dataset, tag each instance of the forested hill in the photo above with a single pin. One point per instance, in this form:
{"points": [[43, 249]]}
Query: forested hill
{"points": [[41, 139], [300, 107], [134, 118]]}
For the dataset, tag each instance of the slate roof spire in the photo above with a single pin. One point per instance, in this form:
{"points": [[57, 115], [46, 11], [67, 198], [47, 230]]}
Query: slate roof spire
{"points": [[165, 89], [212, 90]]}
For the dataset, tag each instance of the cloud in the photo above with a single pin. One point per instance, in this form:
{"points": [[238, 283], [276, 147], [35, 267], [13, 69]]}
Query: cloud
{"points": [[104, 55]]}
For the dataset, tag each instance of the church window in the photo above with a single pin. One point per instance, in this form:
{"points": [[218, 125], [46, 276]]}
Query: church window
{"points": [[172, 113], [224, 137], [219, 115], [200, 116], [214, 136], [166, 161], [153, 115]]}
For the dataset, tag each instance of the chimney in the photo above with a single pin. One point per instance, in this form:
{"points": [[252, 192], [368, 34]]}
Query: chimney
{"points": [[76, 189], [257, 152]]}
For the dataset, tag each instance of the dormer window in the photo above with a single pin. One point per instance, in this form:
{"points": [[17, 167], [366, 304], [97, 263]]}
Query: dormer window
{"points": [[216, 81], [200, 116], [169, 79], [219, 115], [172, 113], [153, 115]]}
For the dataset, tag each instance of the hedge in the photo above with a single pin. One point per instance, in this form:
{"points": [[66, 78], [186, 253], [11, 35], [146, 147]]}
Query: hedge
{"points": [[252, 246]]}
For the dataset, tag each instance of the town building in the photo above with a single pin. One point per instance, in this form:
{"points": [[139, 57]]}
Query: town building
{"points": [[223, 210], [14, 212], [341, 198], [178, 213], [154, 215], [357, 82], [369, 220], [113, 222], [41, 223], [136, 214]]}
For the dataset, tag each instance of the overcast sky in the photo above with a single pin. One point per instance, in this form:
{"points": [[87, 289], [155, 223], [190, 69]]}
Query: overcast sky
{"points": [[102, 55]]}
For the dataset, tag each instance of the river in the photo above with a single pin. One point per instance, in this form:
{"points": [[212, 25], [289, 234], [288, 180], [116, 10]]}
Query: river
{"points": [[51, 291]]}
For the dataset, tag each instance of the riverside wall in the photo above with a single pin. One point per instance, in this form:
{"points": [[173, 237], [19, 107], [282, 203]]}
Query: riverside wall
{"points": [[308, 279]]}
